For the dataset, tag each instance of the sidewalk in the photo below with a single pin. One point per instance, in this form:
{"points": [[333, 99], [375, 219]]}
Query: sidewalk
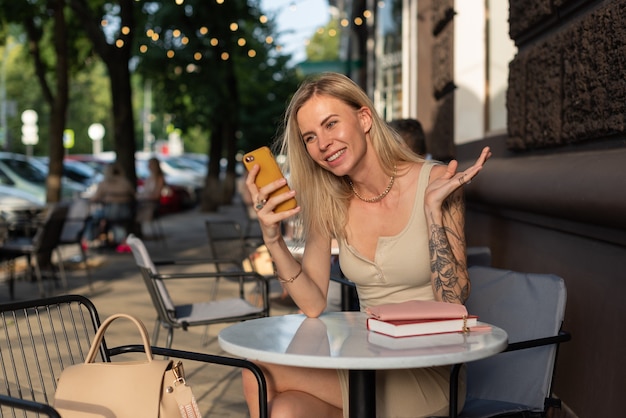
{"points": [[118, 287]]}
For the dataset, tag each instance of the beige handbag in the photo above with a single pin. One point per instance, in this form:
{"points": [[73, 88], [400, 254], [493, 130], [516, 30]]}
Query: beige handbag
{"points": [[154, 388]]}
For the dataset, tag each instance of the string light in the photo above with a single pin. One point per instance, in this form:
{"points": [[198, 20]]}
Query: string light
{"points": [[177, 34]]}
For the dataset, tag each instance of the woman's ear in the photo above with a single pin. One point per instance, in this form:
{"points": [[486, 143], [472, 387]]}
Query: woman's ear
{"points": [[365, 118]]}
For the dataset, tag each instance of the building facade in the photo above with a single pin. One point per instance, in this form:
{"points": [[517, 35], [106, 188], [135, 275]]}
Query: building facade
{"points": [[543, 83]]}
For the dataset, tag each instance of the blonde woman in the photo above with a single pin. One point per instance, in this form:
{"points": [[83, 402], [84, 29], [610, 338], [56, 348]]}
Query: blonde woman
{"points": [[399, 222]]}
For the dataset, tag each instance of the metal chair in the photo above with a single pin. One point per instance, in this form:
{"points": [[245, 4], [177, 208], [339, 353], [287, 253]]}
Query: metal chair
{"points": [[41, 245], [148, 213], [41, 337], [76, 223], [517, 382], [227, 243], [172, 316]]}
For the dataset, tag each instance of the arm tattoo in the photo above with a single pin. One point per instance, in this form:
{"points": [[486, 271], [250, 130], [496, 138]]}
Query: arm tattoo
{"points": [[444, 265]]}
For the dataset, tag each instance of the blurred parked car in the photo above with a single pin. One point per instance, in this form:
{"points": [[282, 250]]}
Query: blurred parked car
{"points": [[28, 174], [97, 162], [17, 210], [80, 173]]}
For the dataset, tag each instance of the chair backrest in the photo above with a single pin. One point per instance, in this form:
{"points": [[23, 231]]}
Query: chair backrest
{"points": [[48, 235], [39, 339], [225, 239], [76, 221], [226, 242], [161, 298], [528, 306]]}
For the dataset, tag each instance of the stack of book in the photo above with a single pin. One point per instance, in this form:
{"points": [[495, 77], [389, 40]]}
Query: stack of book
{"points": [[419, 317]]}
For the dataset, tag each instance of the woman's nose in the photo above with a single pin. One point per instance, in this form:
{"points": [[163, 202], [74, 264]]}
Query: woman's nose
{"points": [[324, 141]]}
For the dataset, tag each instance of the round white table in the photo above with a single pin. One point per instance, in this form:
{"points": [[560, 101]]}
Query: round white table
{"points": [[340, 340]]}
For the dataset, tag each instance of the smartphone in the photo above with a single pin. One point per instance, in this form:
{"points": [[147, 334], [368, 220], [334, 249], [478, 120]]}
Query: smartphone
{"points": [[269, 172]]}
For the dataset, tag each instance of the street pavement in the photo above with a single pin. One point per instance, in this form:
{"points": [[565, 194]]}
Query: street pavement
{"points": [[117, 287]]}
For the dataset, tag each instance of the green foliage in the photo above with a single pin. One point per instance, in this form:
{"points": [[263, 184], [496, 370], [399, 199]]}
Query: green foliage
{"points": [[324, 45], [191, 92], [193, 89]]}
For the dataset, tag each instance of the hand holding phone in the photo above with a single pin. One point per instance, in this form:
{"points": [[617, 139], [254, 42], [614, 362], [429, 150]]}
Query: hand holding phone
{"points": [[269, 172]]}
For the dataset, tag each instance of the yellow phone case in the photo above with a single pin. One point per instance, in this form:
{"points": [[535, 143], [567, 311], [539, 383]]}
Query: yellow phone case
{"points": [[269, 172]]}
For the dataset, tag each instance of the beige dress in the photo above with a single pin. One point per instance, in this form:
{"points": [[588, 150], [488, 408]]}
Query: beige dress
{"points": [[400, 271]]}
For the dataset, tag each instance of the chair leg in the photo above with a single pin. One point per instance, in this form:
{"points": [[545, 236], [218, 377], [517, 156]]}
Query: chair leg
{"points": [[11, 268], [83, 252], [61, 269], [42, 291], [159, 227], [170, 337], [155, 333]]}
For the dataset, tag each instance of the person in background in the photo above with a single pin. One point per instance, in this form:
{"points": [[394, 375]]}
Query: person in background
{"points": [[357, 183], [117, 196], [412, 133], [155, 182], [149, 196]]}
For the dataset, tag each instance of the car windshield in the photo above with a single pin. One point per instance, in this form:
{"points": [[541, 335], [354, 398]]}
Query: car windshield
{"points": [[26, 170]]}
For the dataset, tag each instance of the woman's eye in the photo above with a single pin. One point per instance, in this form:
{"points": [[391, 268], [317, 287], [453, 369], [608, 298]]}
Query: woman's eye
{"points": [[331, 124], [308, 139]]}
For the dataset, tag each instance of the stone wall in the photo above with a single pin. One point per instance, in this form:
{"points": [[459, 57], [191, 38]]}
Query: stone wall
{"points": [[551, 200], [567, 84], [442, 83]]}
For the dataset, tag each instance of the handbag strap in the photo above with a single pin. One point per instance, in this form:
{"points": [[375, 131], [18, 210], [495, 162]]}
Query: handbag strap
{"points": [[97, 339]]}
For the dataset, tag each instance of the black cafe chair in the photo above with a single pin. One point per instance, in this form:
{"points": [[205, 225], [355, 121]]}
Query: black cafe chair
{"points": [[517, 382], [42, 337], [41, 246], [77, 221]]}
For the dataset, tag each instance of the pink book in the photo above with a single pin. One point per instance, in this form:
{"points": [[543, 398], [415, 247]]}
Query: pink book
{"points": [[417, 309]]}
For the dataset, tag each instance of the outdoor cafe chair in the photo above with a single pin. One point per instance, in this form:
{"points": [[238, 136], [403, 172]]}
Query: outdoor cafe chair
{"points": [[232, 252], [77, 221], [227, 242], [172, 315], [41, 337], [148, 214], [43, 244], [530, 307]]}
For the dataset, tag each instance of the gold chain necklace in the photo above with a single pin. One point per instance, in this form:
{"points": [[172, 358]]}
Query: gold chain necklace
{"points": [[380, 196]]}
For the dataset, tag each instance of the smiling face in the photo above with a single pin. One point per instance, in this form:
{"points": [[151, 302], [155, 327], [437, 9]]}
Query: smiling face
{"points": [[335, 134]]}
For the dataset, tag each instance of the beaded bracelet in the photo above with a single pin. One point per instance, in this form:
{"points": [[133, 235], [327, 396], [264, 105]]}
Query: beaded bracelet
{"points": [[280, 279]]}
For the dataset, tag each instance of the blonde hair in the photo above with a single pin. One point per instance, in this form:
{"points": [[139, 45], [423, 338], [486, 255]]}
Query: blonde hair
{"points": [[324, 197]]}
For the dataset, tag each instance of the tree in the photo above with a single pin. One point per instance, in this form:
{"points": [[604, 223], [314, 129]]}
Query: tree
{"points": [[113, 42], [213, 71], [324, 45], [33, 16]]}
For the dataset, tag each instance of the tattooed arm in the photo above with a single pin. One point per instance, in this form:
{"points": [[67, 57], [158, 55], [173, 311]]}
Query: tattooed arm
{"points": [[445, 216], [446, 243]]}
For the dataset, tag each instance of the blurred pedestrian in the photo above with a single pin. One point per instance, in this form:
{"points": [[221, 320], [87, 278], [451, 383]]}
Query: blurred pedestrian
{"points": [[117, 196], [149, 196], [412, 133]]}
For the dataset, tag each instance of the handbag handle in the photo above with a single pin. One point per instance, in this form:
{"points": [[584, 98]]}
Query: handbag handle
{"points": [[97, 339]]}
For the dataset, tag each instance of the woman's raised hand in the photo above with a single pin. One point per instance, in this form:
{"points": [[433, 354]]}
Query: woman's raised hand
{"points": [[450, 180]]}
